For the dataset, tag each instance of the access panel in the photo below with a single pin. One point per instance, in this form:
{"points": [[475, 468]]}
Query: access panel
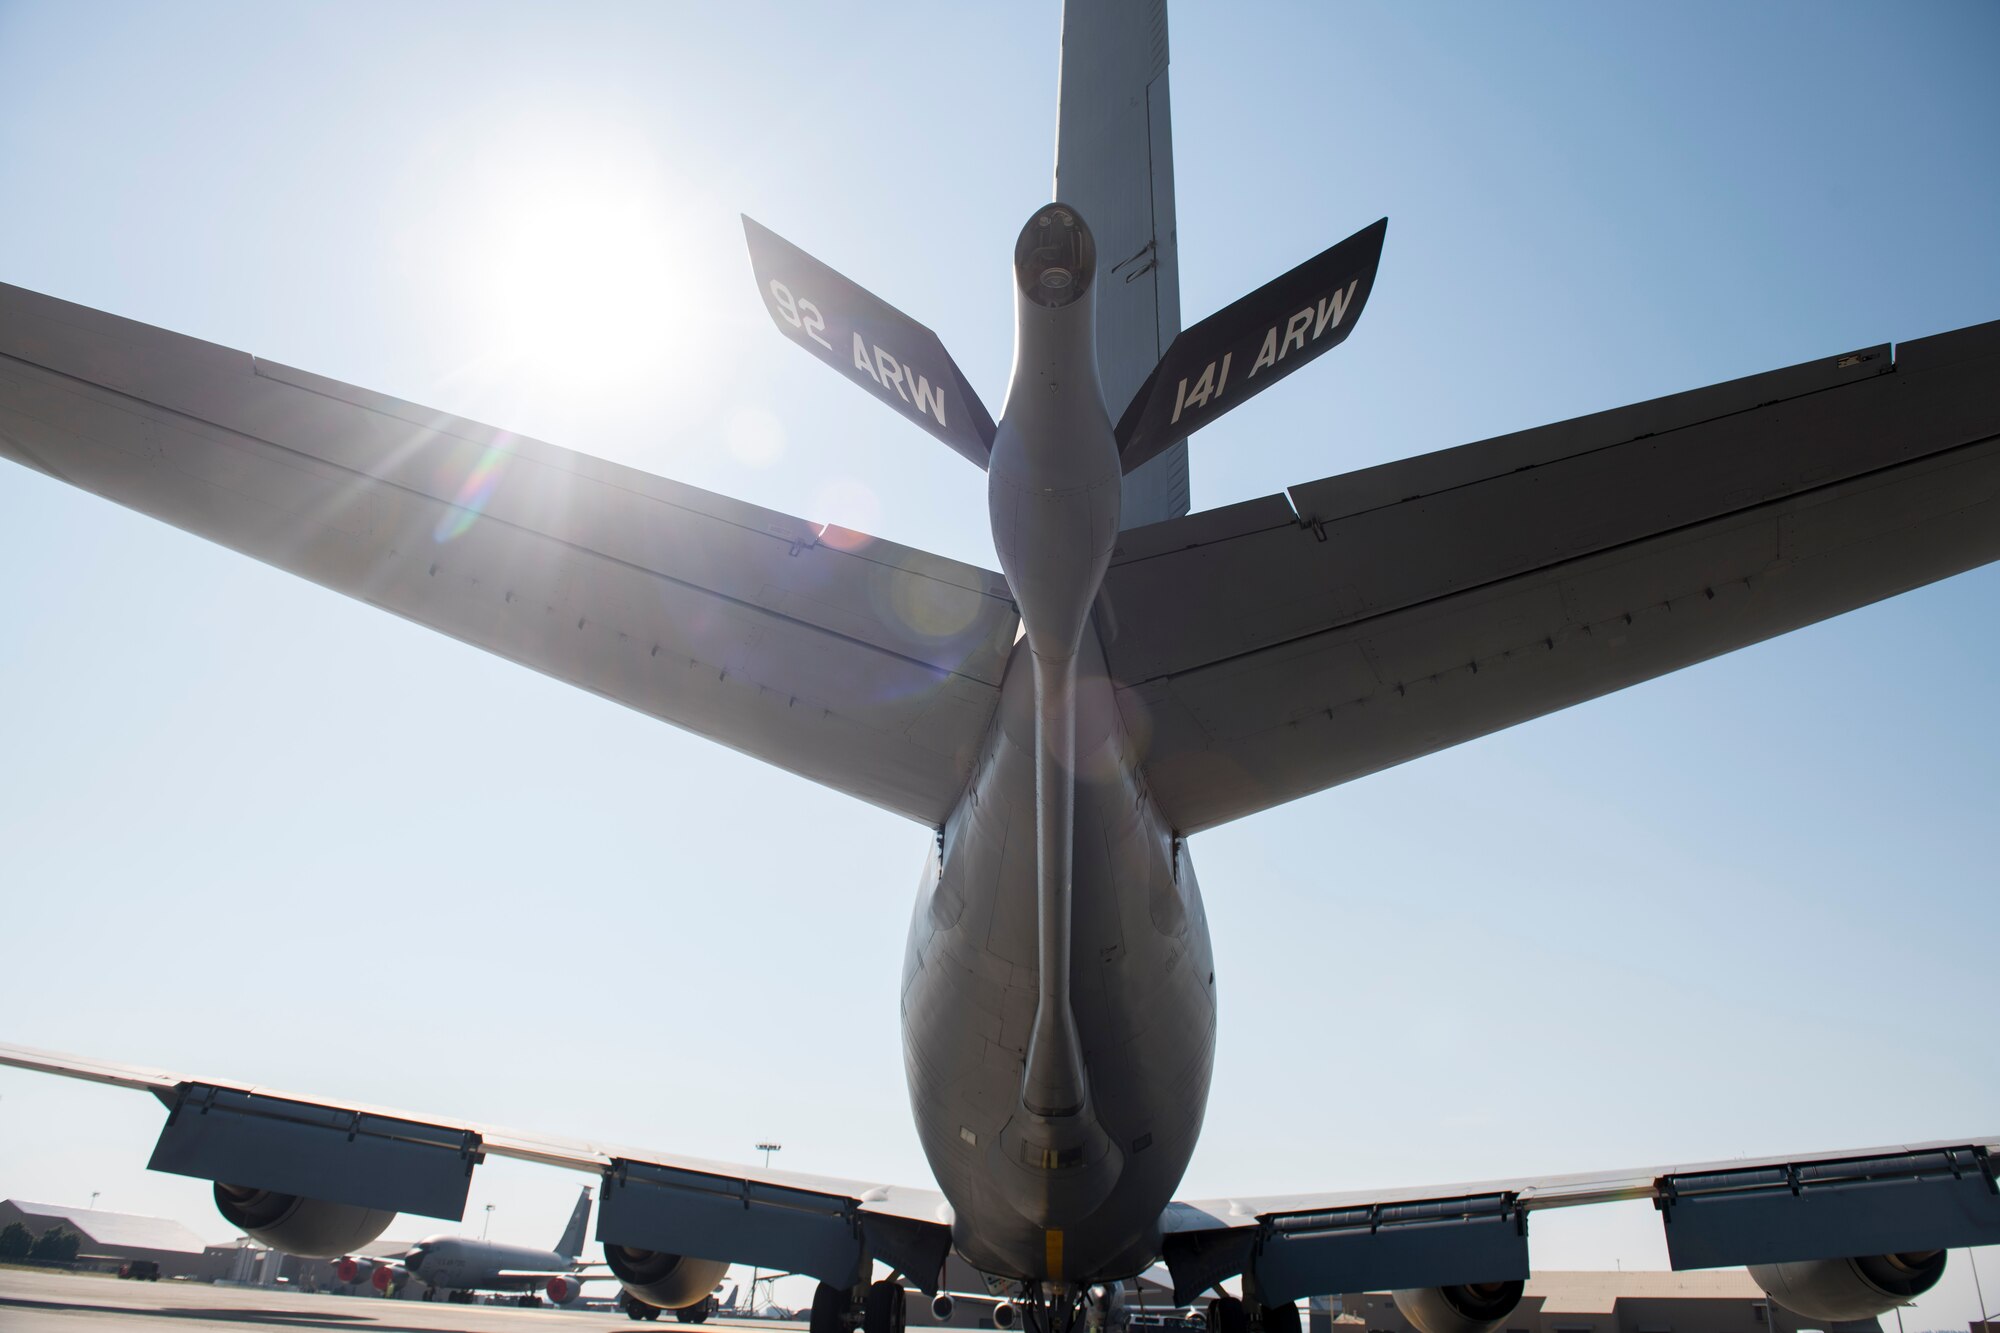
{"points": [[335, 1153], [1936, 1199], [1383, 1247], [674, 1211]]}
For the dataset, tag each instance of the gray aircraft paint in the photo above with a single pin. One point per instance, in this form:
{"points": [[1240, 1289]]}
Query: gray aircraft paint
{"points": [[1141, 986], [1058, 1006], [1058, 993], [461, 1263], [1115, 166]]}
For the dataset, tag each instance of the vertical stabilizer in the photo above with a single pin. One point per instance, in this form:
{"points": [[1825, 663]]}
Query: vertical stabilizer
{"points": [[1115, 166], [571, 1244]]}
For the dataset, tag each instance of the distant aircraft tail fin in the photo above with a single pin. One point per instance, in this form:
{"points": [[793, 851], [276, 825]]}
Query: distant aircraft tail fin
{"points": [[571, 1244], [869, 341], [1247, 346]]}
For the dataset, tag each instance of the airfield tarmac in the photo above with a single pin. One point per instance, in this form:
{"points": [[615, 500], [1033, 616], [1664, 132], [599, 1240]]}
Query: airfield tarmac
{"points": [[32, 1302]]}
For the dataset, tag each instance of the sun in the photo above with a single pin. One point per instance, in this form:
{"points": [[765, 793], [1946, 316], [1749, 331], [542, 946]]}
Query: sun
{"points": [[578, 270], [582, 283]]}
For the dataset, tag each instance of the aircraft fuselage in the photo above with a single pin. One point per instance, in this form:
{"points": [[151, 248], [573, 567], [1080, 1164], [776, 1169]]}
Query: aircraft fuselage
{"points": [[1142, 979], [468, 1264], [1058, 990]]}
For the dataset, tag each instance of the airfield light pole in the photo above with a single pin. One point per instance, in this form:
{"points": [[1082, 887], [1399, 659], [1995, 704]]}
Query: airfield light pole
{"points": [[1972, 1262], [767, 1149], [489, 1222], [93, 1198]]}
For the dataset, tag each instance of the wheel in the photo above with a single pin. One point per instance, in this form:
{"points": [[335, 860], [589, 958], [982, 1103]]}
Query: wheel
{"points": [[829, 1309], [632, 1310], [1281, 1318], [1226, 1314], [696, 1313], [884, 1310]]}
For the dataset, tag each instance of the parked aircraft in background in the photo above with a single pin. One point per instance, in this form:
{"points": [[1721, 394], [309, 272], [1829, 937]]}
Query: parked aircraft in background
{"points": [[462, 1265], [1133, 674]]}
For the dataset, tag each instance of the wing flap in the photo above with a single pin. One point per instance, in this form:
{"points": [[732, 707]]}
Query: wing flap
{"points": [[264, 1138], [1405, 609], [339, 1154], [1772, 1210], [858, 663]]}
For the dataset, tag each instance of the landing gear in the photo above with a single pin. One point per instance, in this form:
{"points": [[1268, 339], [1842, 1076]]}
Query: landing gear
{"points": [[636, 1308], [1052, 1309], [885, 1309], [699, 1312], [829, 1309], [1226, 1314], [1281, 1318]]}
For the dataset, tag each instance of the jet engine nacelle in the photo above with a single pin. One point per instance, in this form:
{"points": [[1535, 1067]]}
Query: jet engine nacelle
{"points": [[670, 1281], [350, 1269], [311, 1228], [563, 1290], [1850, 1288], [1478, 1307]]}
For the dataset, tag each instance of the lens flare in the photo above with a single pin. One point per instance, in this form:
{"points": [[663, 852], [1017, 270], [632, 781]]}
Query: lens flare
{"points": [[472, 494], [851, 508]]}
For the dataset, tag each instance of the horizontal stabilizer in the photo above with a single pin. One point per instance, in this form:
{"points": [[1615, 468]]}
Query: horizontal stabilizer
{"points": [[870, 341], [1247, 347], [1289, 643], [848, 660]]}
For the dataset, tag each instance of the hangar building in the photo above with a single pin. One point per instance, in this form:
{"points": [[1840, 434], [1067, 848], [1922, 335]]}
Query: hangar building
{"points": [[111, 1238]]}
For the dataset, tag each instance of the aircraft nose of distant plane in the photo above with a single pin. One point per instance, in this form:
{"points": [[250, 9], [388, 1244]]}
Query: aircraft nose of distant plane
{"points": [[414, 1260]]}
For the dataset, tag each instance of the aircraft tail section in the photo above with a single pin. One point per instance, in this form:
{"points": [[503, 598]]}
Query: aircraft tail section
{"points": [[869, 341], [1249, 345], [1115, 166], [571, 1244]]}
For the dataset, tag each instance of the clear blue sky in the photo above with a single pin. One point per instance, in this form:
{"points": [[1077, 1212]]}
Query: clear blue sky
{"points": [[251, 829]]}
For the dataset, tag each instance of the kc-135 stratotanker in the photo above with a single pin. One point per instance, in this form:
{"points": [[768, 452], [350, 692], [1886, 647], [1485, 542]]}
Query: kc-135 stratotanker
{"points": [[1134, 674], [459, 1266]]}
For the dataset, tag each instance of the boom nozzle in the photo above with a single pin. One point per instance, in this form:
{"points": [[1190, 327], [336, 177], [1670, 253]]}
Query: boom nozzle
{"points": [[1055, 258]]}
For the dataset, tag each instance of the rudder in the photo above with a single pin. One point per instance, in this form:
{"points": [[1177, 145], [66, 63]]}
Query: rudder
{"points": [[571, 1244]]}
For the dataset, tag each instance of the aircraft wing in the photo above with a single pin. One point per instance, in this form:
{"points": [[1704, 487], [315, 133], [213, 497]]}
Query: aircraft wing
{"points": [[543, 1274], [1280, 646], [375, 1157], [1914, 1197], [858, 663]]}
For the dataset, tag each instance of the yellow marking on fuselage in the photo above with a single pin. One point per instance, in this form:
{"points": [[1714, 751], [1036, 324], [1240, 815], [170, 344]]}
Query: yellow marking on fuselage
{"points": [[1052, 1252]]}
